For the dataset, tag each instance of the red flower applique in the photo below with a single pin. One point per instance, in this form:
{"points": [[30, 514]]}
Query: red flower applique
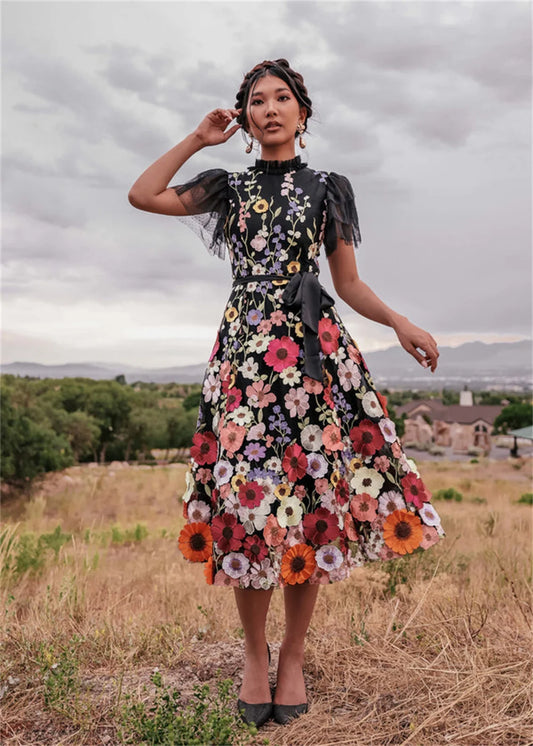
{"points": [[367, 438], [415, 490], [328, 333], [255, 548], [251, 494], [234, 398], [342, 491], [282, 353], [294, 462], [204, 448], [321, 526], [227, 532]]}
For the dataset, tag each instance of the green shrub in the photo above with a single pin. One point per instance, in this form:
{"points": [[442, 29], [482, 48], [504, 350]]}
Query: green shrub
{"points": [[129, 535], [60, 674], [28, 552], [398, 572], [207, 718], [526, 498], [448, 494]]}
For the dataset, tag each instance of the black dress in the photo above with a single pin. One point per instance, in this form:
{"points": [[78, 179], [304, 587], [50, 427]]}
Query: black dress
{"points": [[296, 473]]}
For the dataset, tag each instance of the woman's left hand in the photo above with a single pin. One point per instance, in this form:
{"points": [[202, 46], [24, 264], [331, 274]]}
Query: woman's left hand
{"points": [[411, 337]]}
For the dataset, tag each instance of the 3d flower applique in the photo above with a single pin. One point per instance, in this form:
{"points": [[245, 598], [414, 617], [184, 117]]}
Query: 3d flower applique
{"points": [[298, 564], [196, 542], [402, 531]]}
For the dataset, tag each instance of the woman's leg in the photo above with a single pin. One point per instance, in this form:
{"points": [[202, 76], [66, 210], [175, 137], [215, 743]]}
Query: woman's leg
{"points": [[299, 605], [253, 607]]}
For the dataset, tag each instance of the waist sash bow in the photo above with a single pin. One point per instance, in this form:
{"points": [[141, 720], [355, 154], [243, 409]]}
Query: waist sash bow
{"points": [[303, 293]]}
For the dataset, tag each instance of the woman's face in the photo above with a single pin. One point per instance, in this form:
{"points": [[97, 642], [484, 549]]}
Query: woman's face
{"points": [[273, 112]]}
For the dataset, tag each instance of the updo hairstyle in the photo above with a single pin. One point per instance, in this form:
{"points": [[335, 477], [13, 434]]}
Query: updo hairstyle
{"points": [[280, 69]]}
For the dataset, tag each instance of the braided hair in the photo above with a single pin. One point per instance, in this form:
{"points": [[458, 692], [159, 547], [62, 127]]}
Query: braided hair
{"points": [[281, 69]]}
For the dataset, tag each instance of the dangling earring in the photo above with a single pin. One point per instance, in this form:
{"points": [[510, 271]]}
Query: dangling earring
{"points": [[250, 145], [301, 130]]}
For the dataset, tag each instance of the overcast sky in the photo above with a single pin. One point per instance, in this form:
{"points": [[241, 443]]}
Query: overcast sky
{"points": [[424, 106]]}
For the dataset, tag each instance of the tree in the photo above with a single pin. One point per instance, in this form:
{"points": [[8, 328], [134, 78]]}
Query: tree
{"points": [[450, 397], [513, 417], [29, 448], [192, 401], [83, 433], [180, 428], [73, 395], [109, 404]]}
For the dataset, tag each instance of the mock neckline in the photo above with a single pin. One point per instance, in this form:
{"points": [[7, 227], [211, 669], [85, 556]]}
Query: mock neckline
{"points": [[279, 167]]}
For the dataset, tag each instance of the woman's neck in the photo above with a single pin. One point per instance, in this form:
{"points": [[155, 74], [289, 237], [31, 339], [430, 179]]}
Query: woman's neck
{"points": [[281, 153]]}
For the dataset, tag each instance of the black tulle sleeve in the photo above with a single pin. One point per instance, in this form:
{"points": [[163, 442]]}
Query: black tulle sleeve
{"points": [[341, 213], [206, 198]]}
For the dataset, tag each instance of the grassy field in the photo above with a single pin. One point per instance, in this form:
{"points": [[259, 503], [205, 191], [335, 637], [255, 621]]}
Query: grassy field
{"points": [[100, 614]]}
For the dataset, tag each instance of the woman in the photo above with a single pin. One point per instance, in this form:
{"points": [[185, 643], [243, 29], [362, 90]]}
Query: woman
{"points": [[296, 474]]}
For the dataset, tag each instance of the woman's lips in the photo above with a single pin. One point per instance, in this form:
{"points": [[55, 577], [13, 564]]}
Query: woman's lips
{"points": [[272, 127]]}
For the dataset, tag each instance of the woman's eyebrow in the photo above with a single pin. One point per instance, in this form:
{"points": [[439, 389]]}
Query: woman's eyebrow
{"points": [[260, 93]]}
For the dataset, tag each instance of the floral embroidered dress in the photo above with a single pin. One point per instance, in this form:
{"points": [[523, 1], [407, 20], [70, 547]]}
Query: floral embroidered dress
{"points": [[296, 473]]}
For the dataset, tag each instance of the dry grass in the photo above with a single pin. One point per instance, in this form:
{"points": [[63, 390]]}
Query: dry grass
{"points": [[444, 659]]}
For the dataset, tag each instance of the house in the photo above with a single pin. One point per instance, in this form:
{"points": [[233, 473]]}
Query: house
{"points": [[461, 426]]}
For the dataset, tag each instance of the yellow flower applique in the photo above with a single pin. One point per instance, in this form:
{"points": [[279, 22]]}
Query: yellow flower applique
{"points": [[261, 205], [231, 314]]}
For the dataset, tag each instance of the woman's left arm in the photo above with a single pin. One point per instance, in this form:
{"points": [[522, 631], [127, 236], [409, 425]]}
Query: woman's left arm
{"points": [[362, 299]]}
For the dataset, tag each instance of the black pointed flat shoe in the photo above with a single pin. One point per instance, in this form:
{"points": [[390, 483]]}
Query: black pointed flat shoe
{"points": [[256, 713], [285, 713]]}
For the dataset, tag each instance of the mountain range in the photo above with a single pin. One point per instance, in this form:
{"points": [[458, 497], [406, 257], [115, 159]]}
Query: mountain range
{"points": [[479, 365]]}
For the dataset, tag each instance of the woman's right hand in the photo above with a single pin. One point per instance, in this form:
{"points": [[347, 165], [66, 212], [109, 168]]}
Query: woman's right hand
{"points": [[212, 128], [151, 193]]}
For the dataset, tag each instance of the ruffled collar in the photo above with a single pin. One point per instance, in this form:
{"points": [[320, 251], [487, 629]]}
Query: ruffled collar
{"points": [[279, 167]]}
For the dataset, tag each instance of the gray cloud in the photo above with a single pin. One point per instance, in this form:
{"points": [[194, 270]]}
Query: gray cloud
{"points": [[424, 106], [437, 70]]}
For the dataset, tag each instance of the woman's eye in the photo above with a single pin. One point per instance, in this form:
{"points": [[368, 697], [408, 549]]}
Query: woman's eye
{"points": [[256, 101], [284, 96]]}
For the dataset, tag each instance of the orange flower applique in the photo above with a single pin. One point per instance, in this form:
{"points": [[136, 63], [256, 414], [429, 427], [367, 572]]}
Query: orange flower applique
{"points": [[383, 401], [208, 571], [298, 564], [195, 542], [402, 531]]}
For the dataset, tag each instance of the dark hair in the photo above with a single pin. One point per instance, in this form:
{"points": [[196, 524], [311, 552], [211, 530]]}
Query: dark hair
{"points": [[281, 69]]}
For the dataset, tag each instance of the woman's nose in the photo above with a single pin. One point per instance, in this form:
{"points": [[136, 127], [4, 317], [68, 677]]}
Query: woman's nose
{"points": [[271, 107]]}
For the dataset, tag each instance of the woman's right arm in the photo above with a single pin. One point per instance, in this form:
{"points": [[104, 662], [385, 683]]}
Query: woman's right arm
{"points": [[150, 191]]}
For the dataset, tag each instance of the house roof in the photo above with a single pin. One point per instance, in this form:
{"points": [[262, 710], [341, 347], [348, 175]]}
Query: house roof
{"points": [[465, 415], [522, 432]]}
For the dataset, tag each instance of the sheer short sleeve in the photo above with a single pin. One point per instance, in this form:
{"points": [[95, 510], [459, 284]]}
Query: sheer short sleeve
{"points": [[341, 213], [206, 198]]}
